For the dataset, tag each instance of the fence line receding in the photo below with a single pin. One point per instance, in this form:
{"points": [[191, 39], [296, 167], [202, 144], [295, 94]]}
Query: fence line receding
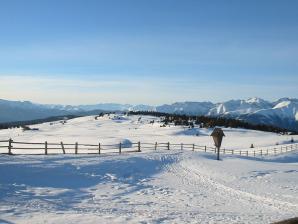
{"points": [[17, 147]]}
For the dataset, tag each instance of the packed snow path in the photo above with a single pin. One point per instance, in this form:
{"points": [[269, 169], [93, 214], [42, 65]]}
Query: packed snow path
{"points": [[168, 187]]}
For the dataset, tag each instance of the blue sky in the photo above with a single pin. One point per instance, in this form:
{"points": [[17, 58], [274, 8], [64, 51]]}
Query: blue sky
{"points": [[152, 52]]}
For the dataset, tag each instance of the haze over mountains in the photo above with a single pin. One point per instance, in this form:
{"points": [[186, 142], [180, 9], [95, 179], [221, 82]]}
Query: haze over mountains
{"points": [[282, 113]]}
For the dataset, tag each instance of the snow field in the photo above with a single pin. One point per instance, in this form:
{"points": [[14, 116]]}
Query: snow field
{"points": [[167, 187], [146, 187], [132, 129]]}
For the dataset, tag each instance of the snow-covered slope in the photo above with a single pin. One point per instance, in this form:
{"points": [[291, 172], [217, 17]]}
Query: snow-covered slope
{"points": [[283, 114], [155, 187], [163, 186], [238, 107], [114, 129], [190, 108]]}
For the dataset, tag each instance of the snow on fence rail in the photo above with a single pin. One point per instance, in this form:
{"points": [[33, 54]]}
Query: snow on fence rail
{"points": [[16, 147]]}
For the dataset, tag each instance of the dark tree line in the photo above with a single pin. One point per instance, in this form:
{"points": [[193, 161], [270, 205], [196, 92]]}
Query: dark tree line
{"points": [[166, 119], [210, 122], [17, 124]]}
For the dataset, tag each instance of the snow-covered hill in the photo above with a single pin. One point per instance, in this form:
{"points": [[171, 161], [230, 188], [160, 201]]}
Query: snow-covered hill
{"points": [[162, 186], [113, 129], [155, 187], [281, 113]]}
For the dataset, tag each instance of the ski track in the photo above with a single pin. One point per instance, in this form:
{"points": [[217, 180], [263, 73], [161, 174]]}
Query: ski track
{"points": [[220, 189], [148, 187], [183, 191]]}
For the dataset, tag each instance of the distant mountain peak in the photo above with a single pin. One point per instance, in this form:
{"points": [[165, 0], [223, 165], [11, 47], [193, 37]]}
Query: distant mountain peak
{"points": [[255, 100], [282, 113]]}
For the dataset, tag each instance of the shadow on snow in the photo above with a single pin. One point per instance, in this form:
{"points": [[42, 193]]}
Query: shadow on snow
{"points": [[71, 176]]}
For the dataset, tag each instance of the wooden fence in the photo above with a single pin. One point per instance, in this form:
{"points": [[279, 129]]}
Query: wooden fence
{"points": [[45, 148], [264, 151]]}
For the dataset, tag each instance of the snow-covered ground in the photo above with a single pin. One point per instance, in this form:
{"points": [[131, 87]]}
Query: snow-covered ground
{"points": [[116, 129], [151, 187], [146, 187]]}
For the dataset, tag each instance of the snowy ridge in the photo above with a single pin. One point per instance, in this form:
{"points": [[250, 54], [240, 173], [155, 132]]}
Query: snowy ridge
{"points": [[281, 113], [238, 107], [114, 129], [191, 108]]}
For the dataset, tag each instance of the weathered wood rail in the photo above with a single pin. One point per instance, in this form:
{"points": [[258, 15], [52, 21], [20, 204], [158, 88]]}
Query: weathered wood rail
{"points": [[262, 151], [17, 147], [46, 148]]}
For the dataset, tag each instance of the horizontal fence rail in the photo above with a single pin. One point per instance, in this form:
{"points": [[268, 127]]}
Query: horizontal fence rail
{"points": [[17, 147], [265, 151]]}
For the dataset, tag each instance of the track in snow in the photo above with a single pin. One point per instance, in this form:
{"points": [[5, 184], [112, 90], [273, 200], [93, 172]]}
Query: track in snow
{"points": [[168, 187]]}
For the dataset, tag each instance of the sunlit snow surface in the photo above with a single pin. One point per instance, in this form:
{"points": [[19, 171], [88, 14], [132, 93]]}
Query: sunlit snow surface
{"points": [[115, 129], [148, 187]]}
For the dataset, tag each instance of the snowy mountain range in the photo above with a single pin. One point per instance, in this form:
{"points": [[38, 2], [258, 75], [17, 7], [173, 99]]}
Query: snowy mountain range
{"points": [[282, 113]]}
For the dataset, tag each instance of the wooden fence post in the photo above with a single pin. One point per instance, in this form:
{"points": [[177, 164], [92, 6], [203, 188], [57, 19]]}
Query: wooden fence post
{"points": [[224, 151], [254, 153], [205, 148], [62, 146], [181, 146], [246, 153], [98, 148], [139, 146], [168, 145], [46, 148], [261, 152], [120, 146], [232, 151], [240, 152], [76, 148], [193, 147], [10, 146], [155, 147]]}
